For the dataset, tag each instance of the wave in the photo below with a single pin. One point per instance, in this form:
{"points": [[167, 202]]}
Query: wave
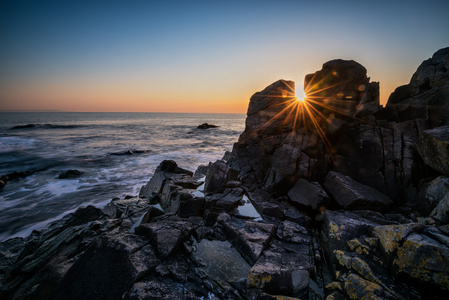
{"points": [[50, 126]]}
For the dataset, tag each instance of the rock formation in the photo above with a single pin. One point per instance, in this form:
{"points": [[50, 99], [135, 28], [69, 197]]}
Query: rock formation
{"points": [[255, 226]]}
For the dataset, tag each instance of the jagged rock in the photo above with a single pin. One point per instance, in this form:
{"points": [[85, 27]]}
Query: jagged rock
{"points": [[433, 146], [308, 194], [427, 93], [96, 275], [353, 195], [47, 256], [166, 235], [152, 212], [216, 176], [167, 170]]}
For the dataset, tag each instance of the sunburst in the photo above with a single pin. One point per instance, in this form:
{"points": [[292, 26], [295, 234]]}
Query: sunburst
{"points": [[301, 111]]}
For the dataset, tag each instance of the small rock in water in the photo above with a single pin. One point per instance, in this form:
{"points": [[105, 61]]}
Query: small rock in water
{"points": [[69, 174], [207, 126]]}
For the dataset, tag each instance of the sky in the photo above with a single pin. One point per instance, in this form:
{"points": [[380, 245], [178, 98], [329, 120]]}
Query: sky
{"points": [[200, 56]]}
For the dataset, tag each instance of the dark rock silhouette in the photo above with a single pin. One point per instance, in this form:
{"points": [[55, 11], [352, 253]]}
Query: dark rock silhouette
{"points": [[69, 174], [333, 197], [206, 126]]}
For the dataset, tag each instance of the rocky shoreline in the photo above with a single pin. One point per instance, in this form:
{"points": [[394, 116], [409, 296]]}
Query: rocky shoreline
{"points": [[334, 197]]}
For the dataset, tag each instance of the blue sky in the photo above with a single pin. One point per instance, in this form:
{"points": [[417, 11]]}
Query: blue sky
{"points": [[203, 56]]}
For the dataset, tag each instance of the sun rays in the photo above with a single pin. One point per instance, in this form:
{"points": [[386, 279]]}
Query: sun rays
{"points": [[310, 111]]}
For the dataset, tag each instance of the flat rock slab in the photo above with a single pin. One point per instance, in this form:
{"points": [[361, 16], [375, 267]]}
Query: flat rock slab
{"points": [[352, 195], [283, 269], [249, 238]]}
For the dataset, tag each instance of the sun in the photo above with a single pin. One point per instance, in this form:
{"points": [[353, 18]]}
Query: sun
{"points": [[299, 94]]}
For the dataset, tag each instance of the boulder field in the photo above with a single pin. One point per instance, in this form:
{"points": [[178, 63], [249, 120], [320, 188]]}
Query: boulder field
{"points": [[328, 197]]}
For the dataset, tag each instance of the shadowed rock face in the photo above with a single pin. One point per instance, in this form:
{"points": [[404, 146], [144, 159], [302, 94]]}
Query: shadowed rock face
{"points": [[339, 127], [342, 87], [427, 94]]}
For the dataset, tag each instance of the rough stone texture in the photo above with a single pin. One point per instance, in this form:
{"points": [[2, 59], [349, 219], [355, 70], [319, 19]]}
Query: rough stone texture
{"points": [[350, 194], [167, 170], [94, 275], [427, 93], [433, 146], [216, 177], [308, 194], [441, 211], [431, 193], [279, 272], [425, 260]]}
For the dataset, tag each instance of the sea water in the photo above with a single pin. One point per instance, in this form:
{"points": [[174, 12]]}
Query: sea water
{"points": [[45, 144]]}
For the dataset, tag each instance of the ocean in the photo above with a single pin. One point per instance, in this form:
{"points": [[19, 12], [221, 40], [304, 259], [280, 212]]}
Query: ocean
{"points": [[44, 144]]}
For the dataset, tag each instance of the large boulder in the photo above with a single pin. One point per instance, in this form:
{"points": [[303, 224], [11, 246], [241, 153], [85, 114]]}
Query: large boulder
{"points": [[308, 194], [350, 194], [433, 146]]}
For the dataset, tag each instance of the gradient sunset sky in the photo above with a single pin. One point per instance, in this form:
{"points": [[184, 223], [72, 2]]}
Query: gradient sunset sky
{"points": [[200, 56]]}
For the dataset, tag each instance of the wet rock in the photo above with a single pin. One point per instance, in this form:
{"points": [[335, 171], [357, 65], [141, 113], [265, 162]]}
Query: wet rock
{"points": [[207, 126], [433, 146], [308, 194], [129, 152], [353, 195], [248, 237], [69, 174], [228, 200]]}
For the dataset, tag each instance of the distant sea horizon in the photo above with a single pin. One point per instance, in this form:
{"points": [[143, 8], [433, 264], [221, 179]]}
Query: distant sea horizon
{"points": [[116, 153]]}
